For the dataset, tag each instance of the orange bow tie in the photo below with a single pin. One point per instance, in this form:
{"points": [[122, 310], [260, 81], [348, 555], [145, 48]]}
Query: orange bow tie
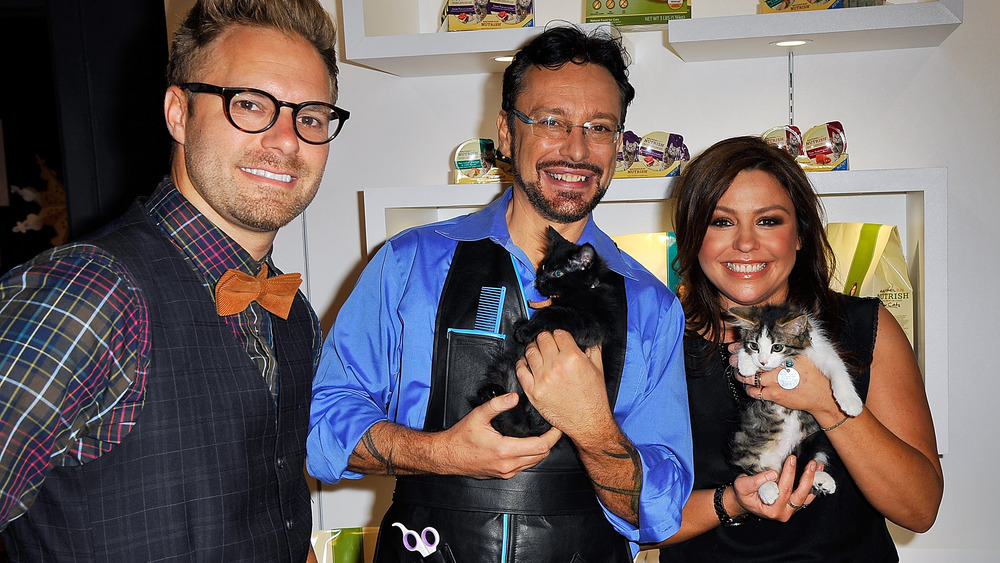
{"points": [[236, 290]]}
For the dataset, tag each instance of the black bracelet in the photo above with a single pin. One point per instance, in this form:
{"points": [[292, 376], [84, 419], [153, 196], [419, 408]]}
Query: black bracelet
{"points": [[720, 510]]}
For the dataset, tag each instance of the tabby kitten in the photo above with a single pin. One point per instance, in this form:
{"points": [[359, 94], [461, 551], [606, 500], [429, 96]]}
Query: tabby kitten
{"points": [[574, 277], [768, 433]]}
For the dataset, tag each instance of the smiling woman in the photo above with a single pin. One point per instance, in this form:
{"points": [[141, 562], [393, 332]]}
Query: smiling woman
{"points": [[750, 245], [749, 232]]}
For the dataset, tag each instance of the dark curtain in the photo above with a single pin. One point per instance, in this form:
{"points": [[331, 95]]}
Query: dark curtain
{"points": [[82, 111]]}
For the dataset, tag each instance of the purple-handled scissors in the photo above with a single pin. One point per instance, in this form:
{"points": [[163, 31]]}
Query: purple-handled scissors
{"points": [[422, 543]]}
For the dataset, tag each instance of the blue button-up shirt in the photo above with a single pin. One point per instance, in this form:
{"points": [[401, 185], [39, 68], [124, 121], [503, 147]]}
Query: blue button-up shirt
{"points": [[376, 362]]}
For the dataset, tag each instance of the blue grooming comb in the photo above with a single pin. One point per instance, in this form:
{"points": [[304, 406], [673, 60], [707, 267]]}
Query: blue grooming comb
{"points": [[490, 308]]}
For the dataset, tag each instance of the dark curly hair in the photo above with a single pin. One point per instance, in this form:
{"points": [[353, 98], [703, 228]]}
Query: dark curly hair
{"points": [[563, 44]]}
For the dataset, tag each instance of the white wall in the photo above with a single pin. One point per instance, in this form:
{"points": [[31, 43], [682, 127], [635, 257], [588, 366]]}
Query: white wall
{"points": [[901, 109]]}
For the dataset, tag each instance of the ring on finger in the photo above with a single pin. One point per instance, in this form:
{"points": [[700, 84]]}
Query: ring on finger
{"points": [[796, 506], [756, 379], [760, 396]]}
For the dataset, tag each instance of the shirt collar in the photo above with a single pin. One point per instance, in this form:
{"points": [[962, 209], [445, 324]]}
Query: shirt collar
{"points": [[208, 247], [491, 223]]}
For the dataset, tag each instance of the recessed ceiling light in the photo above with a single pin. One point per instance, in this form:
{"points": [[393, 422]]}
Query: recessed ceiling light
{"points": [[791, 42], [506, 59]]}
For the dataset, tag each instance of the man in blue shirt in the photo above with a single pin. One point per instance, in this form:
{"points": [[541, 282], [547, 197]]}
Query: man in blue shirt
{"points": [[391, 396]]}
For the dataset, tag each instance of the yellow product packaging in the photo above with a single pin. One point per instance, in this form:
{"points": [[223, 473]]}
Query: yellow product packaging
{"points": [[778, 6], [870, 263], [344, 545], [476, 162], [465, 15], [824, 148], [655, 251], [655, 155], [637, 14], [785, 137]]}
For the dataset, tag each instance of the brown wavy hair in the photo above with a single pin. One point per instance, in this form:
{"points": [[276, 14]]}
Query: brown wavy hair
{"points": [[696, 195], [209, 18]]}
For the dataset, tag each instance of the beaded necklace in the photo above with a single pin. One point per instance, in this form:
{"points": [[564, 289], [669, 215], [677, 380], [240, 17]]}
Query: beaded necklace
{"points": [[729, 371]]}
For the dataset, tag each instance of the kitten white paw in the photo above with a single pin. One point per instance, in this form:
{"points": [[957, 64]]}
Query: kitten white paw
{"points": [[851, 404], [823, 484], [746, 364], [768, 492]]}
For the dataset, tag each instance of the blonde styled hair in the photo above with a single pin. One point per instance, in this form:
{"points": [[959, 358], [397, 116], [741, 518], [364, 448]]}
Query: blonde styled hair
{"points": [[208, 19]]}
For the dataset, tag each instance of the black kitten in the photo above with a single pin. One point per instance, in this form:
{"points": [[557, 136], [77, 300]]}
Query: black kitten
{"points": [[575, 278]]}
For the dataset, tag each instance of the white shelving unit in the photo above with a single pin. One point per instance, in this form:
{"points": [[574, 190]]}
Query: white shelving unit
{"points": [[913, 199], [428, 54], [873, 28], [405, 52]]}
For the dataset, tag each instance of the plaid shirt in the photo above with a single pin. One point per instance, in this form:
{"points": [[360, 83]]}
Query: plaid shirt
{"points": [[74, 347]]}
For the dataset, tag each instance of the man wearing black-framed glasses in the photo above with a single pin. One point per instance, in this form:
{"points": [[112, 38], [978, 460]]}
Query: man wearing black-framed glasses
{"points": [[155, 377]]}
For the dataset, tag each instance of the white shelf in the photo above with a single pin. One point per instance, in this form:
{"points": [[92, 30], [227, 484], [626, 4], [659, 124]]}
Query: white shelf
{"points": [[431, 54], [900, 26], [913, 199], [874, 28]]}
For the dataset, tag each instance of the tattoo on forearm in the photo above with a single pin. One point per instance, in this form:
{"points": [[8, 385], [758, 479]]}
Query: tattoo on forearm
{"points": [[629, 452], [369, 443]]}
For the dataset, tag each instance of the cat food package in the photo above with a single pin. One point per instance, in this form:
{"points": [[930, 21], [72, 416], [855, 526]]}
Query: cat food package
{"points": [[655, 155], [464, 15], [779, 6], [655, 251], [627, 152], [870, 263], [785, 137], [824, 148], [636, 15], [477, 162]]}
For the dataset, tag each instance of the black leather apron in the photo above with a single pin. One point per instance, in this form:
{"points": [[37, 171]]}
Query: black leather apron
{"points": [[547, 513]]}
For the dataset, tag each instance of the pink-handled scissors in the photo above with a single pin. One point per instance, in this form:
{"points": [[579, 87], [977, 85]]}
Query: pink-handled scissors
{"points": [[423, 543]]}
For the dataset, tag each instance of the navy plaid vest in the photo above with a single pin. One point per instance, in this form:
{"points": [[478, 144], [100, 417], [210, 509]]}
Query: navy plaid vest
{"points": [[214, 469]]}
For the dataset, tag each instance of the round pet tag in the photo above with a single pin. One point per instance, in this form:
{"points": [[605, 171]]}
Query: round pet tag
{"points": [[788, 378]]}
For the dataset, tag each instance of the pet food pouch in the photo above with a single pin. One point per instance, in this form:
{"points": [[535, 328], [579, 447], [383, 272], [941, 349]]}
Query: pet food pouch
{"points": [[870, 263], [785, 137]]}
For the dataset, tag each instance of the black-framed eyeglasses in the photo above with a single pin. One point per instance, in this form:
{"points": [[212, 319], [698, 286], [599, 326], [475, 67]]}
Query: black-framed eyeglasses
{"points": [[597, 131], [255, 111]]}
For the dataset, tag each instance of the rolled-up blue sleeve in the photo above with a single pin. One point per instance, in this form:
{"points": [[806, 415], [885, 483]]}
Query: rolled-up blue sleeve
{"points": [[354, 381], [652, 411]]}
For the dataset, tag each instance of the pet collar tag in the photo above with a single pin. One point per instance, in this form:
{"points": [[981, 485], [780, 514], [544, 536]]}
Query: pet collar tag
{"points": [[788, 378]]}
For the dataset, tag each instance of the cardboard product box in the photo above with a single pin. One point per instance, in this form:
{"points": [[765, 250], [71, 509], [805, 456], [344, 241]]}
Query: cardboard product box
{"points": [[841, 162], [465, 15], [656, 155], [780, 6], [628, 14]]}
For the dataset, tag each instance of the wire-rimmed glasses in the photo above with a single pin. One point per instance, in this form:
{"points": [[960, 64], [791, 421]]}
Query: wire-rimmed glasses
{"points": [[597, 131], [255, 111]]}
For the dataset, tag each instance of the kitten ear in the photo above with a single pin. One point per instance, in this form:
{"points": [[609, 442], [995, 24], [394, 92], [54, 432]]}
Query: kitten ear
{"points": [[554, 235], [549, 239], [797, 324], [585, 256], [743, 317]]}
